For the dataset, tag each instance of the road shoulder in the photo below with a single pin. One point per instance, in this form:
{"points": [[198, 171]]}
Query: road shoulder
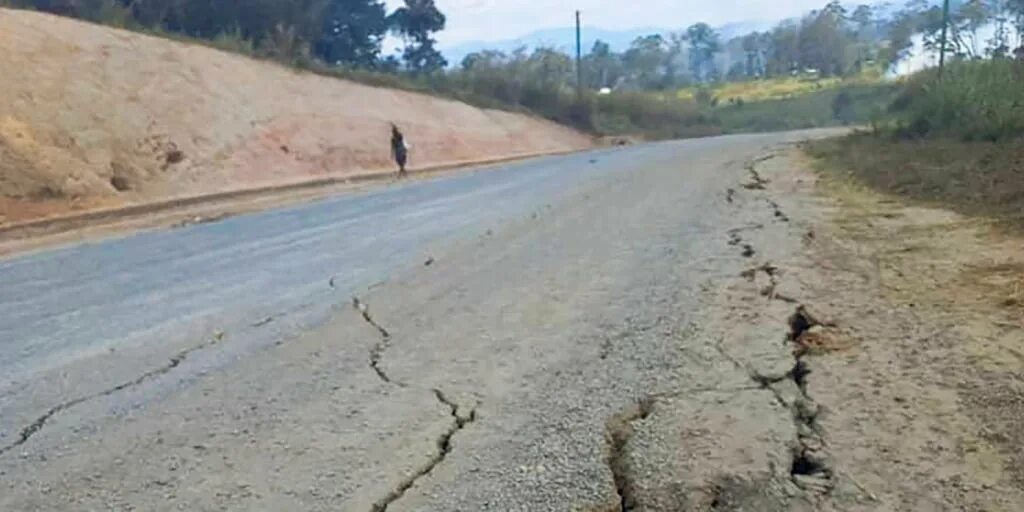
{"points": [[910, 344]]}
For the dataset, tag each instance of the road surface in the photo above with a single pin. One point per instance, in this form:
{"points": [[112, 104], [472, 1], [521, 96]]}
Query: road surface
{"points": [[481, 341]]}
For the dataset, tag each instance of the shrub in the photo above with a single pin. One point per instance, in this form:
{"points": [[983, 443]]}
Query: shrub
{"points": [[973, 100]]}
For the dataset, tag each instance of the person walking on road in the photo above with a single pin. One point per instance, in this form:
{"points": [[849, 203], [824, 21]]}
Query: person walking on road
{"points": [[399, 149]]}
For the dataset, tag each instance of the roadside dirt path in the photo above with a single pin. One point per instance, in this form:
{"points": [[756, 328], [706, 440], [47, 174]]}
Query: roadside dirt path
{"points": [[909, 339]]}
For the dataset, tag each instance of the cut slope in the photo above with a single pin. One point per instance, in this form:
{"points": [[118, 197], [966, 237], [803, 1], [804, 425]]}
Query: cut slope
{"points": [[94, 117]]}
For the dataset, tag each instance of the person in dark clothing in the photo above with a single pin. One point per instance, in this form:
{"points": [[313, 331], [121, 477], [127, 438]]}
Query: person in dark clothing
{"points": [[399, 149]]}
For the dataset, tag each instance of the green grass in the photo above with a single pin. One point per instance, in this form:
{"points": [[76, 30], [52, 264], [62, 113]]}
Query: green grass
{"points": [[973, 100], [810, 110]]}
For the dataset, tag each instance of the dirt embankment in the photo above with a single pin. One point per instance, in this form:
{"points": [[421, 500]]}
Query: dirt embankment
{"points": [[92, 117]]}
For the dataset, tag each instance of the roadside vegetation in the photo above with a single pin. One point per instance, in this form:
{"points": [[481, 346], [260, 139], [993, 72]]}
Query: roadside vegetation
{"points": [[690, 83], [845, 104], [954, 141]]}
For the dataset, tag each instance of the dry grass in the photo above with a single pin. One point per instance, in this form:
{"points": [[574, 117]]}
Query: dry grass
{"points": [[979, 179], [945, 218], [778, 88]]}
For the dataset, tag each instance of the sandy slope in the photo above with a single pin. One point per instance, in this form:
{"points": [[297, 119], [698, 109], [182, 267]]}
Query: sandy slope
{"points": [[93, 117]]}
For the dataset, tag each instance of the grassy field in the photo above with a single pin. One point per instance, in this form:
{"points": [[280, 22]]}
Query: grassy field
{"points": [[777, 88], [809, 110]]}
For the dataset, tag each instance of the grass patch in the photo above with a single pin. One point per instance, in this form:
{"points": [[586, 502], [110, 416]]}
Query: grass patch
{"points": [[811, 110], [657, 117], [973, 100], [975, 178], [778, 88], [763, 90]]}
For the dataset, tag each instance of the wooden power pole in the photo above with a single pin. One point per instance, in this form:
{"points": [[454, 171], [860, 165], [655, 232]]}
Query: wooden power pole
{"points": [[580, 58], [945, 33]]}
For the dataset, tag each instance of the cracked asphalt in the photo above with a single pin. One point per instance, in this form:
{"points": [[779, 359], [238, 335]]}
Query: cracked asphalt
{"points": [[529, 337]]}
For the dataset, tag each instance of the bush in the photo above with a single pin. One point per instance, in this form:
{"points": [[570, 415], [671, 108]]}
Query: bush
{"points": [[653, 115], [842, 107], [973, 100]]}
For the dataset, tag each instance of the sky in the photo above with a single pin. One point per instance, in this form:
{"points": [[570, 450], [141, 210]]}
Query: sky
{"points": [[492, 20]]}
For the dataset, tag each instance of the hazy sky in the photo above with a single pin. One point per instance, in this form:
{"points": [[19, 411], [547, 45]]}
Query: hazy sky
{"points": [[490, 20]]}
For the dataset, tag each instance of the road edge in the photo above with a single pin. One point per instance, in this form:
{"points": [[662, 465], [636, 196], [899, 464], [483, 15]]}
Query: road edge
{"points": [[68, 224]]}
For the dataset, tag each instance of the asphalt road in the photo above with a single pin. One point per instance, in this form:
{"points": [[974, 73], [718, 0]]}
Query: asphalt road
{"points": [[505, 318]]}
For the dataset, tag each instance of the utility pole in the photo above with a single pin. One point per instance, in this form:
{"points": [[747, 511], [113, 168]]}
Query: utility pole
{"points": [[580, 58], [945, 30]]}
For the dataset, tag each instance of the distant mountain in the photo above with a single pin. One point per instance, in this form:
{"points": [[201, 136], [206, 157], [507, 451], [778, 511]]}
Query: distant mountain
{"points": [[565, 38]]}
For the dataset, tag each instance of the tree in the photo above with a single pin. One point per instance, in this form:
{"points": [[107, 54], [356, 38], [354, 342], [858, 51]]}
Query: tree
{"points": [[416, 22], [864, 33], [673, 56], [644, 60], [784, 57], [823, 41], [971, 17], [905, 24], [863, 19], [755, 46], [1016, 10], [352, 33], [602, 67], [998, 46], [551, 68], [704, 44]]}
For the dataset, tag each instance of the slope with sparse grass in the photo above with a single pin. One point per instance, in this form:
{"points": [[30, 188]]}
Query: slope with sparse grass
{"points": [[973, 177]]}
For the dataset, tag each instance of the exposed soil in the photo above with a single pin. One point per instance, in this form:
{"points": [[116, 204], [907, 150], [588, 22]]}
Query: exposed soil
{"points": [[918, 373]]}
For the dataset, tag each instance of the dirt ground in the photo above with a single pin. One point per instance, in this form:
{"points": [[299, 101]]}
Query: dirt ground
{"points": [[912, 349], [104, 118]]}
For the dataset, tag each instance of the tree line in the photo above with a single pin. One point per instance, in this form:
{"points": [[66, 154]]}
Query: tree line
{"points": [[830, 42], [346, 33], [833, 41]]}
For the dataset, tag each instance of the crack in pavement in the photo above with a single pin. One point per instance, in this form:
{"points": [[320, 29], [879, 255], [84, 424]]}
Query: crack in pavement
{"points": [[377, 350], [619, 430], [36, 426], [444, 442], [262, 322], [444, 447], [365, 311], [771, 290], [810, 469], [757, 182], [777, 210]]}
